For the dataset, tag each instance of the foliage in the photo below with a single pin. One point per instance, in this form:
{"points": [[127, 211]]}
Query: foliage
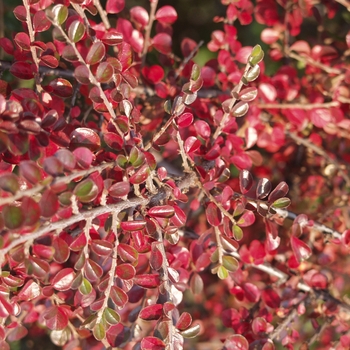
{"points": [[144, 198]]}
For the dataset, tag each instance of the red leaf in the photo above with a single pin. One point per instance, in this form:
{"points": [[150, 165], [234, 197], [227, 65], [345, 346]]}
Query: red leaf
{"points": [[61, 87], [56, 318], [63, 280], [133, 225], [213, 215], [271, 298], [118, 296], [32, 211], [23, 41], [62, 251], [127, 253], [22, 70], [140, 176], [166, 14], [101, 247], [185, 120], [125, 271], [162, 42], [48, 203], [152, 312], [300, 249], [147, 281], [30, 291], [164, 211], [83, 156], [93, 271], [184, 321], [41, 22], [139, 15], [85, 137], [152, 343], [236, 342], [192, 144], [115, 6]]}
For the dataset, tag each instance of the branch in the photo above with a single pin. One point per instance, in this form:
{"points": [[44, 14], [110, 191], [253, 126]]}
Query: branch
{"points": [[322, 153], [306, 106], [59, 180], [154, 5]]}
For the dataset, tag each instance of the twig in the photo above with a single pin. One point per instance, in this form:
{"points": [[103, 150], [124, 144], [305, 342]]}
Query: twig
{"points": [[312, 62], [102, 13], [32, 47], [283, 326], [301, 105], [146, 44], [59, 180], [92, 79], [226, 115], [320, 152]]}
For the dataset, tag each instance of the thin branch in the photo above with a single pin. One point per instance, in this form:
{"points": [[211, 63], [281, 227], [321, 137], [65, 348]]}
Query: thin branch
{"points": [[59, 180], [92, 79], [322, 153], [32, 47], [103, 14], [306, 106], [146, 44], [226, 115], [284, 325], [312, 62]]}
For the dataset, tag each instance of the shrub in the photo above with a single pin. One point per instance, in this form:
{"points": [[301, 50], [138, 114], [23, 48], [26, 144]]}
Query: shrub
{"points": [[151, 203]]}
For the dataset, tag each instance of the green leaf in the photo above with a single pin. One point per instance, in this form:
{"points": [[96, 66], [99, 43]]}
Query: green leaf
{"points": [[111, 316], [230, 263], [99, 331], [85, 287], [222, 272], [256, 55], [237, 233], [281, 203], [58, 14], [196, 72], [76, 31], [13, 217]]}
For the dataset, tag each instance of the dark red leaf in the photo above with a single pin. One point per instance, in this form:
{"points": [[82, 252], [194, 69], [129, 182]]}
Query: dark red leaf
{"points": [[48, 203], [40, 22], [101, 247], [118, 296], [32, 211], [164, 211], [152, 343], [85, 137], [213, 215], [184, 321], [93, 271], [61, 87], [263, 188], [151, 312], [133, 225], [22, 70], [23, 41], [62, 251], [125, 271]]}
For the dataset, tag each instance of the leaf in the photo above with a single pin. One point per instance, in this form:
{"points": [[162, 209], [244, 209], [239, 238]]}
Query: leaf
{"points": [[93, 271], [61, 87], [248, 94], [58, 14], [62, 251], [22, 70], [30, 291], [104, 72], [247, 219], [96, 53], [85, 137], [111, 316], [113, 140], [13, 217], [300, 249], [237, 233], [101, 247], [191, 332], [48, 203], [163, 211], [252, 74], [41, 22], [213, 214], [32, 211], [156, 258], [133, 225], [115, 6], [192, 144], [56, 318], [166, 15], [112, 37], [281, 203], [85, 288], [230, 263], [222, 272], [147, 281], [245, 181], [256, 55], [118, 296], [140, 176], [240, 109], [263, 188], [99, 331], [151, 312], [23, 41], [84, 157], [125, 271], [237, 342], [162, 42], [127, 253], [76, 31], [184, 321], [280, 191], [86, 191], [185, 120], [9, 182], [63, 279], [152, 343]]}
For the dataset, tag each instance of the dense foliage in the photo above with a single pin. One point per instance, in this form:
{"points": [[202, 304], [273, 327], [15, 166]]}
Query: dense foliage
{"points": [[150, 203]]}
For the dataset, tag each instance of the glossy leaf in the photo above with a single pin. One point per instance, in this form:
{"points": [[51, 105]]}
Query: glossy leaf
{"points": [[191, 332], [151, 312], [166, 14], [111, 316], [96, 53], [300, 249], [280, 191], [93, 271], [85, 137], [147, 281], [162, 42], [152, 343], [115, 6], [263, 188], [118, 296], [56, 318], [213, 214], [104, 72], [76, 31], [184, 321], [230, 263], [125, 271], [245, 181], [63, 279], [164, 211], [86, 191]]}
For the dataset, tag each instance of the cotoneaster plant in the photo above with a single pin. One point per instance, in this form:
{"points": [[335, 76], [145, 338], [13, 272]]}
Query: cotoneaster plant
{"points": [[151, 203]]}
